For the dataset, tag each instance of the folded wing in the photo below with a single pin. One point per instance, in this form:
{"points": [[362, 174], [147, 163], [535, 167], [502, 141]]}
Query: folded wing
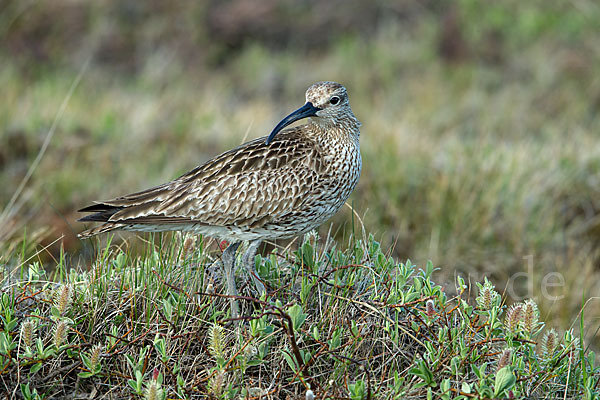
{"points": [[251, 185]]}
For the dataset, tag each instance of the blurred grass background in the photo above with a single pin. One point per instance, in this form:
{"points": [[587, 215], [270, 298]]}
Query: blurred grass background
{"points": [[480, 119]]}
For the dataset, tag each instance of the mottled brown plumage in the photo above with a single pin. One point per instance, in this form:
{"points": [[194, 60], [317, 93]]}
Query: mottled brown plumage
{"points": [[257, 190], [273, 187]]}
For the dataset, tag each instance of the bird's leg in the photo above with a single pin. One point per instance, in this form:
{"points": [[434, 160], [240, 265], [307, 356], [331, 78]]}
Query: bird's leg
{"points": [[249, 262], [229, 268]]}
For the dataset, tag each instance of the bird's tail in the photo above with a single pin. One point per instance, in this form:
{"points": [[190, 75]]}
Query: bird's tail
{"points": [[110, 226]]}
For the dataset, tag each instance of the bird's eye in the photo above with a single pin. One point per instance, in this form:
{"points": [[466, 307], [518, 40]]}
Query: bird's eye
{"points": [[334, 100]]}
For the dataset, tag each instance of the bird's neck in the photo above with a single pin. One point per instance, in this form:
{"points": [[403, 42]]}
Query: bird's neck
{"points": [[343, 130]]}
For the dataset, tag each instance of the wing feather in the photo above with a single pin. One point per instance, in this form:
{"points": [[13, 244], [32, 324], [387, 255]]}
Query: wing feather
{"points": [[251, 185]]}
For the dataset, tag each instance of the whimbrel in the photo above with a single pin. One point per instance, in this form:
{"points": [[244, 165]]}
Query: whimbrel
{"points": [[278, 186]]}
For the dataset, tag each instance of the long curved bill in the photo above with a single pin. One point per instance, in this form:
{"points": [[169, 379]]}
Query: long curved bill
{"points": [[307, 110]]}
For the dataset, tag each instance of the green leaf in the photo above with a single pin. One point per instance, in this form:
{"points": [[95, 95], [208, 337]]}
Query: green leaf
{"points": [[307, 254], [35, 368], [423, 372], [445, 389], [133, 384], [315, 333], [336, 339], [10, 324], [465, 388], [86, 361], [54, 312], [354, 329], [290, 360], [505, 379], [161, 347], [297, 316], [27, 393], [6, 343], [479, 372], [357, 390]]}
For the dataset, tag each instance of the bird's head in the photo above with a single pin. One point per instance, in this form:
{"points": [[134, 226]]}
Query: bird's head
{"points": [[326, 102]]}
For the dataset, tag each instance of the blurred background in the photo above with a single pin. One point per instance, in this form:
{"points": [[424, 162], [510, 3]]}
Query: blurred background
{"points": [[480, 134]]}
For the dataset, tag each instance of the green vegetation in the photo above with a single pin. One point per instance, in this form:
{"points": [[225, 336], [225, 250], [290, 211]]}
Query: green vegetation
{"points": [[481, 154], [345, 324]]}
